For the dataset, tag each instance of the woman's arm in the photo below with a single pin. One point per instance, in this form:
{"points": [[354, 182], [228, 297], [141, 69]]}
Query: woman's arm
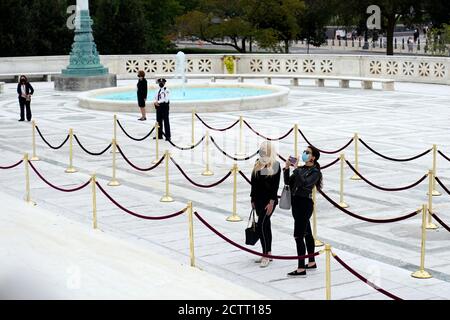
{"points": [[311, 180], [19, 90], [31, 88], [276, 184]]}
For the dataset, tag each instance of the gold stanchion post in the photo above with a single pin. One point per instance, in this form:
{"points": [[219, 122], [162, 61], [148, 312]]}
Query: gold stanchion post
{"points": [[71, 169], [114, 130], [430, 224], [157, 143], [94, 200], [435, 192], [296, 140], [207, 171], [317, 242], [341, 183], [27, 181], [422, 273], [355, 141], [34, 157], [114, 182], [328, 272], [193, 127], [241, 128], [167, 197], [234, 216], [191, 233]]}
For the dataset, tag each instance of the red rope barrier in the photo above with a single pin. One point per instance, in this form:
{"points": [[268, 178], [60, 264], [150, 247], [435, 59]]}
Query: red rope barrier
{"points": [[249, 250], [136, 214], [442, 223], [231, 157], [197, 184], [12, 166], [84, 185], [443, 155], [324, 151], [215, 129], [394, 159], [369, 283], [442, 185], [384, 188], [48, 143], [133, 138], [136, 167], [267, 138], [89, 152], [354, 215]]}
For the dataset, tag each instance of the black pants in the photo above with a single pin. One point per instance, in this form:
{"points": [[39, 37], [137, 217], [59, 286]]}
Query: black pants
{"points": [[162, 115], [263, 228], [24, 104], [302, 209]]}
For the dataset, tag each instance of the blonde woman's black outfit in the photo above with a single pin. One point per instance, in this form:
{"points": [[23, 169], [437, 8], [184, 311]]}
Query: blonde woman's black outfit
{"points": [[301, 183], [264, 189]]}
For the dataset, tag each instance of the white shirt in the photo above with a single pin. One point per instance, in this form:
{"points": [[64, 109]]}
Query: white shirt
{"points": [[162, 96], [24, 90]]}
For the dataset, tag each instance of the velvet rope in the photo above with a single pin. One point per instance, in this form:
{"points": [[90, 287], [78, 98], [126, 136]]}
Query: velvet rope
{"points": [[133, 138], [48, 143], [216, 129], [90, 152], [136, 167], [267, 138], [231, 157], [11, 166], [324, 151], [394, 159]]}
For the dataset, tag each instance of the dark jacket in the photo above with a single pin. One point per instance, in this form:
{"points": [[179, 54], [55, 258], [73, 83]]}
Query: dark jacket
{"points": [[142, 89], [28, 89], [302, 180], [265, 187]]}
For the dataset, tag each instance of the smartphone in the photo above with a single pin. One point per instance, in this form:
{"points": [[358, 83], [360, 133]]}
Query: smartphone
{"points": [[292, 160]]}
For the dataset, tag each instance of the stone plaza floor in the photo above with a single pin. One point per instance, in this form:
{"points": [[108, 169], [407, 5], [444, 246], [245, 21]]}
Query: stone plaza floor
{"points": [[399, 124]]}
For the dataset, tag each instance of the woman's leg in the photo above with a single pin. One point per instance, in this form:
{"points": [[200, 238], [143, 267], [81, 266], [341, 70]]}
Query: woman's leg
{"points": [[28, 109], [22, 108], [260, 227], [299, 229], [310, 245]]}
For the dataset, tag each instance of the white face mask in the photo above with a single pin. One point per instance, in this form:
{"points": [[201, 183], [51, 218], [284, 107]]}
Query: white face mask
{"points": [[264, 160]]}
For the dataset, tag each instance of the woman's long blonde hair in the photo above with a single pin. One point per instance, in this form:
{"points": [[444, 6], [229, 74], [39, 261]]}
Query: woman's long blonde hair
{"points": [[267, 158]]}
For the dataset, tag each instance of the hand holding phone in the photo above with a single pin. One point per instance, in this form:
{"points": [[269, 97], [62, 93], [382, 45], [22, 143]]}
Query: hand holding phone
{"points": [[293, 160]]}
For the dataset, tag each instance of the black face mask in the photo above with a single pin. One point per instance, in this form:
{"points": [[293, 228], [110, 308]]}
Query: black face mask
{"points": [[161, 85], [22, 80]]}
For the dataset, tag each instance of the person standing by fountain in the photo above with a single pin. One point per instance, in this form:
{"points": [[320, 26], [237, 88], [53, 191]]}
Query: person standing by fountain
{"points": [[162, 103], [25, 91], [142, 94]]}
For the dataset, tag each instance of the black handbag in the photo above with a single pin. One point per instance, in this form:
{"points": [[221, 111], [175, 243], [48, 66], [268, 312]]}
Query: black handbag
{"points": [[251, 234]]}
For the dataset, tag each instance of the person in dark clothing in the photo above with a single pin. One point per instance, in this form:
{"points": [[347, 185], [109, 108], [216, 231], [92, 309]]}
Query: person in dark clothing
{"points": [[162, 106], [25, 91], [301, 183], [142, 94], [265, 182]]}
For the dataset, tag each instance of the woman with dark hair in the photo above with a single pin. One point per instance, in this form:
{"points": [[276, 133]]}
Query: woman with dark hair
{"points": [[301, 182], [25, 91], [142, 94]]}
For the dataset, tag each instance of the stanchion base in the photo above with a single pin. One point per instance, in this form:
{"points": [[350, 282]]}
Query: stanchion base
{"points": [[114, 183], [35, 158], [355, 177], [166, 199], [207, 173], [343, 205], [234, 218], [155, 161], [421, 274], [431, 226], [436, 193], [318, 243], [31, 203], [70, 170]]}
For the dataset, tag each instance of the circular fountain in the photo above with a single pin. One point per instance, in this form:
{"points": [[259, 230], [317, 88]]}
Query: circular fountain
{"points": [[206, 97]]}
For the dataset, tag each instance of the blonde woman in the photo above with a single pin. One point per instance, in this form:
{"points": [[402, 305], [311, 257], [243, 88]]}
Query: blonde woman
{"points": [[265, 182]]}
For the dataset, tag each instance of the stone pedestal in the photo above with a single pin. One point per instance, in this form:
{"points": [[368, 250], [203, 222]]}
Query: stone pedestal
{"points": [[72, 83]]}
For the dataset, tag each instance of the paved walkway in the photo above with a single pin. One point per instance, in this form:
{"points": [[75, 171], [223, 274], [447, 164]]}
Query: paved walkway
{"points": [[399, 124]]}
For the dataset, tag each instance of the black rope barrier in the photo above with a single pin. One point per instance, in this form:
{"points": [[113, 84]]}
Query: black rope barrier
{"points": [[48, 143], [332, 163], [245, 177], [267, 138], [90, 152], [186, 148], [325, 151], [439, 220], [394, 159], [135, 166], [443, 155], [442, 185], [384, 188], [231, 157], [198, 184], [249, 250], [84, 185], [216, 129], [136, 214], [354, 215], [133, 138], [281, 157], [360, 277], [12, 166]]}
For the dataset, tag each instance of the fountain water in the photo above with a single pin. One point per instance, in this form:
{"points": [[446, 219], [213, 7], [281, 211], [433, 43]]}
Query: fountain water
{"points": [[181, 69]]}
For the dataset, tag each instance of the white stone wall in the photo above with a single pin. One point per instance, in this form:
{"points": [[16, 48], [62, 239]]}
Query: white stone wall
{"points": [[400, 68]]}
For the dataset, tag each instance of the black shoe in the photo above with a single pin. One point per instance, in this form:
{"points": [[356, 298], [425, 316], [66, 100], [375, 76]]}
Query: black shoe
{"points": [[297, 274], [142, 119], [21, 120], [312, 267]]}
